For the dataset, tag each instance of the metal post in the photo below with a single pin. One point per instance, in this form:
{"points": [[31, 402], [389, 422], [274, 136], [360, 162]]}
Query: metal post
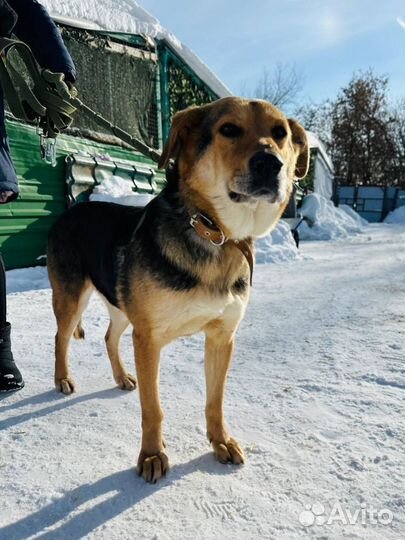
{"points": [[164, 91], [159, 109]]}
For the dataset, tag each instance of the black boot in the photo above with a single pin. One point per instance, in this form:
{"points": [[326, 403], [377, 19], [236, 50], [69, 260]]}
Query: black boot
{"points": [[10, 376]]}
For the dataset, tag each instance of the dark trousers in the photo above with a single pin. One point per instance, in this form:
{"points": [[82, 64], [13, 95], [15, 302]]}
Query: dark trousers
{"points": [[3, 304]]}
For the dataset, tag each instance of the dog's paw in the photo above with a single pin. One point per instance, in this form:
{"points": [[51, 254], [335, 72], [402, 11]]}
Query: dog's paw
{"points": [[66, 386], [126, 381], [228, 452], [152, 468]]}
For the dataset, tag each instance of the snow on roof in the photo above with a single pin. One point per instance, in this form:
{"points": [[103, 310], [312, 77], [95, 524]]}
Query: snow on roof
{"points": [[76, 23], [129, 17], [314, 142]]}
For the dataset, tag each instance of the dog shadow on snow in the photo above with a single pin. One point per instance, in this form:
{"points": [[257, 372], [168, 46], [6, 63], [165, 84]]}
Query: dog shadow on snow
{"points": [[120, 491], [126, 490]]}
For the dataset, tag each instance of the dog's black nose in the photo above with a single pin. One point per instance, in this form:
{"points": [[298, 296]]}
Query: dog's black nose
{"points": [[265, 164], [264, 168]]}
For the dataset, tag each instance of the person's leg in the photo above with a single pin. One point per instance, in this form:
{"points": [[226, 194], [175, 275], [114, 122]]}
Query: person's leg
{"points": [[10, 376], [3, 302]]}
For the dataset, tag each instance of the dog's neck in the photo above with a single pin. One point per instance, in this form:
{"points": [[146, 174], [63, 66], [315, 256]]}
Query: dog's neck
{"points": [[199, 213], [238, 221], [202, 229], [189, 219]]}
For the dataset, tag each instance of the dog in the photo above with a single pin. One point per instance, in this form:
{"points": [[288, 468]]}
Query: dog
{"points": [[182, 264]]}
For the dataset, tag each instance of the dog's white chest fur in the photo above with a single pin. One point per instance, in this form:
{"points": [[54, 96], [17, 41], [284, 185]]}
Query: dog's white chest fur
{"points": [[193, 315]]}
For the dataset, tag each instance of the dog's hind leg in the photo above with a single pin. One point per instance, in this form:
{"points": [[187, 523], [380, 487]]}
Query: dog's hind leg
{"points": [[118, 324], [218, 355], [68, 303]]}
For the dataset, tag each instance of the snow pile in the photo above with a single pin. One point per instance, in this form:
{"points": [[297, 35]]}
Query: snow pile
{"points": [[328, 222], [397, 216], [27, 279], [277, 246], [119, 191]]}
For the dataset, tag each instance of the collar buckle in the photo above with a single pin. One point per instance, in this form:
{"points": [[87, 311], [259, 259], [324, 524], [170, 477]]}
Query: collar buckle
{"points": [[207, 229], [221, 241]]}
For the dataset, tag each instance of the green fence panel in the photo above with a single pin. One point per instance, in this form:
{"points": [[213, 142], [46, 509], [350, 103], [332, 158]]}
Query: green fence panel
{"points": [[24, 224]]}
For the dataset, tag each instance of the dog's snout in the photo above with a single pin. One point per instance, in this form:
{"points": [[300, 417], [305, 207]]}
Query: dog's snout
{"points": [[265, 165]]}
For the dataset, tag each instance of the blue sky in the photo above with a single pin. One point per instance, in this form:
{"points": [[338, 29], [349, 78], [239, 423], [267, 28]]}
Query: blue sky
{"points": [[325, 40]]}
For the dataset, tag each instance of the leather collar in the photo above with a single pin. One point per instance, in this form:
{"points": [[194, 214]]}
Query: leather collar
{"points": [[207, 229]]}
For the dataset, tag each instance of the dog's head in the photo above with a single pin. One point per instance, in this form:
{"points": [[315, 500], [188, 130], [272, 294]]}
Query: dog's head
{"points": [[237, 159]]}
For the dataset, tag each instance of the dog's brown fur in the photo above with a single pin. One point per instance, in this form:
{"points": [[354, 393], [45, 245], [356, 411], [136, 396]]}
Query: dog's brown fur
{"points": [[214, 292]]}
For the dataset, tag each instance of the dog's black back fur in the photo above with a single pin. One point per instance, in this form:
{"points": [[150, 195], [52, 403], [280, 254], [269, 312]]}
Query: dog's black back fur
{"points": [[96, 241], [86, 242]]}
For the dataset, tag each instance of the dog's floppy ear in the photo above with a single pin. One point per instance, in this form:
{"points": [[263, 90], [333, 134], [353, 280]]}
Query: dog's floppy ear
{"points": [[300, 142], [182, 123]]}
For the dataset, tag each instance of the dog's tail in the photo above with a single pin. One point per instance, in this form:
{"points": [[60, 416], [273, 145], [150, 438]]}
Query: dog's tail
{"points": [[79, 332]]}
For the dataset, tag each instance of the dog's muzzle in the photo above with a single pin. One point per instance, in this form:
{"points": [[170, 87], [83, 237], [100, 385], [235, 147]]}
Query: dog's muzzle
{"points": [[263, 180]]}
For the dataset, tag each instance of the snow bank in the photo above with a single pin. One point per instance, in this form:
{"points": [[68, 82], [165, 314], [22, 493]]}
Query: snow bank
{"points": [[397, 216], [277, 246], [119, 191], [27, 279], [329, 222]]}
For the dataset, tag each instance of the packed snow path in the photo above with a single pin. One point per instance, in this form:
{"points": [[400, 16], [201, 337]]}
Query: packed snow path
{"points": [[314, 396]]}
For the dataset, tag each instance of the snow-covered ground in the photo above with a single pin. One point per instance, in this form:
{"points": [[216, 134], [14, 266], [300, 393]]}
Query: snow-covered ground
{"points": [[315, 396]]}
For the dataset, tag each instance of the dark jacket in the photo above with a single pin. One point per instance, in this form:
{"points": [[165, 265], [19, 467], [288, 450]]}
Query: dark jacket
{"points": [[31, 23]]}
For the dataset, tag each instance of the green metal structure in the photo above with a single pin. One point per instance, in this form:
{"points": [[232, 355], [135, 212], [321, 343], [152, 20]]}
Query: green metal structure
{"points": [[180, 87], [81, 163]]}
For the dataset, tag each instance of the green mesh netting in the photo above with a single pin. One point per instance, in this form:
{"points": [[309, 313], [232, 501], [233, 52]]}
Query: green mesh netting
{"points": [[185, 91], [119, 86]]}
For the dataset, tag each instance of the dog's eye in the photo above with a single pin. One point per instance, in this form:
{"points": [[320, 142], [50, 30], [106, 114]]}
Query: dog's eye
{"points": [[230, 130], [279, 132]]}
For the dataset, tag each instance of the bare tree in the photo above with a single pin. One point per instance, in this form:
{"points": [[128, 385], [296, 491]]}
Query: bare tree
{"points": [[280, 86]]}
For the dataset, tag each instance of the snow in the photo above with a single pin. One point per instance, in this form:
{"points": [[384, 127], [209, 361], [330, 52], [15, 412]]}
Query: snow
{"points": [[119, 191], [396, 216], [315, 396], [27, 279], [328, 221], [128, 16], [323, 168], [315, 142], [277, 246]]}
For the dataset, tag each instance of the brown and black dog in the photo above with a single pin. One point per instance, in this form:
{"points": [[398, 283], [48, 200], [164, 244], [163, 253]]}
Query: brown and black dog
{"points": [[183, 263]]}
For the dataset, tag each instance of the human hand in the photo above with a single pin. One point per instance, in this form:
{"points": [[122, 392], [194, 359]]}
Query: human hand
{"points": [[5, 196], [60, 84]]}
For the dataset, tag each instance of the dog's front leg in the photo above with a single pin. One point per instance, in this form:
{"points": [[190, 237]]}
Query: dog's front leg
{"points": [[152, 462], [218, 355]]}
